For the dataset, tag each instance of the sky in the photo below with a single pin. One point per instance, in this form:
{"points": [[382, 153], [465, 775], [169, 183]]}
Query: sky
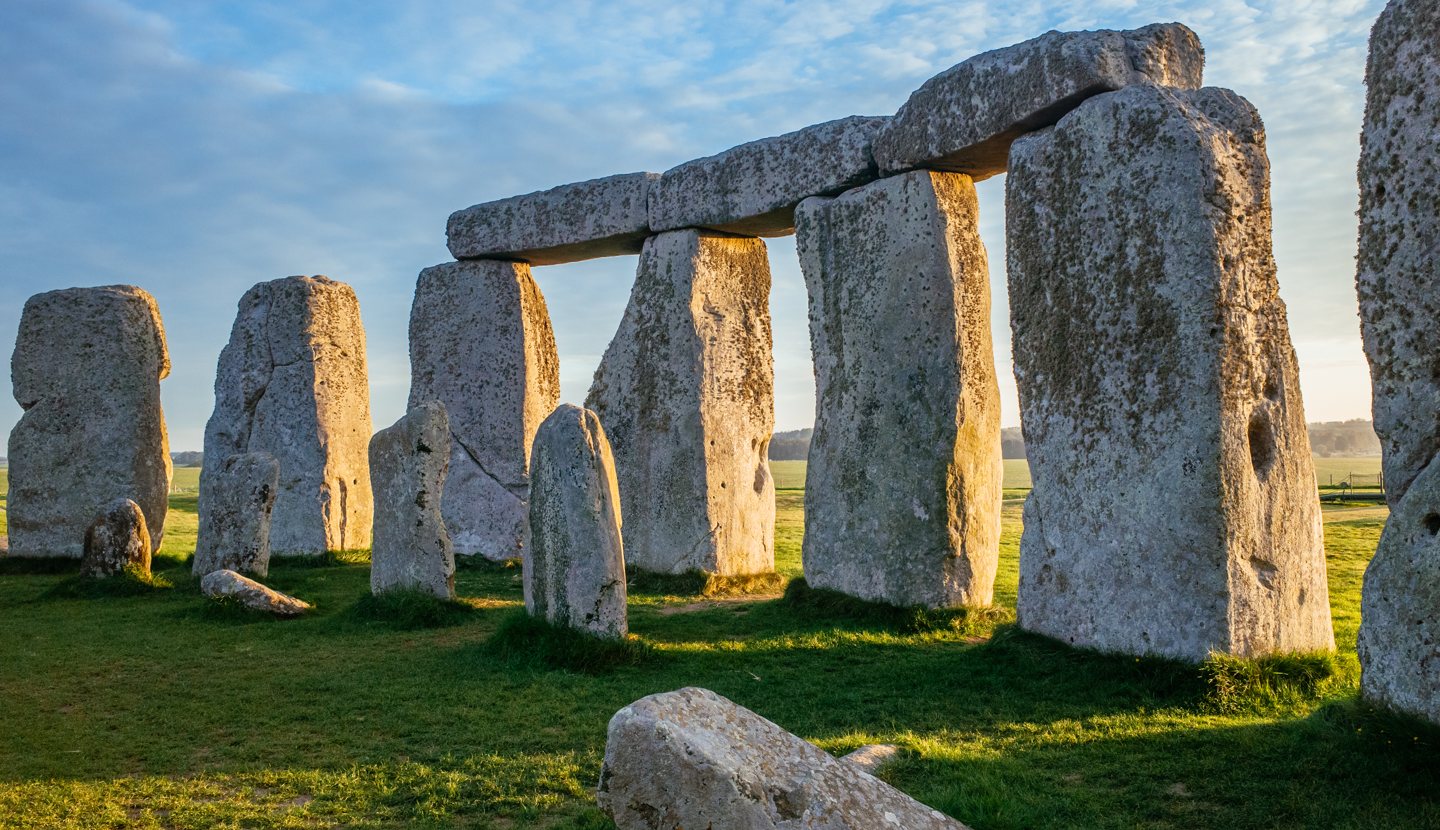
{"points": [[195, 149]]}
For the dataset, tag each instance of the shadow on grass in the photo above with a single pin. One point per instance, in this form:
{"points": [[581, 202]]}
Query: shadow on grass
{"points": [[819, 604], [410, 610], [701, 584], [38, 565], [523, 641], [130, 582]]}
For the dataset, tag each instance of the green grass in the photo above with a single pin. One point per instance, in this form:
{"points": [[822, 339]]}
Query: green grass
{"points": [[153, 712]]}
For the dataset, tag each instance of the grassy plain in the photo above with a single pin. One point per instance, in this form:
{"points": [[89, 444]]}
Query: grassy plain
{"points": [[156, 712]]}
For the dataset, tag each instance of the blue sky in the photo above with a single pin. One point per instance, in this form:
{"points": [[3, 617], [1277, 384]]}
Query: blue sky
{"points": [[195, 149]]}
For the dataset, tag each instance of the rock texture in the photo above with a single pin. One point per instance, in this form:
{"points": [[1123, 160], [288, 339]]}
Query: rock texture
{"points": [[753, 189], [239, 494], [575, 569], [569, 223], [965, 118], [1398, 280], [692, 759], [872, 757], [116, 540], [686, 394], [481, 344], [222, 585], [408, 462], [292, 383], [86, 369], [902, 492], [1174, 509]]}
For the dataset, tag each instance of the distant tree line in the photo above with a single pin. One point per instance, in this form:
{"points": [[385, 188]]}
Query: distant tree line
{"points": [[1328, 439], [187, 459]]}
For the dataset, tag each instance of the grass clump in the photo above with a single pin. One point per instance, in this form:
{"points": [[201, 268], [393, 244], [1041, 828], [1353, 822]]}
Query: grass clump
{"points": [[699, 583], [1236, 684], [131, 582], [523, 640], [411, 609], [825, 604]]}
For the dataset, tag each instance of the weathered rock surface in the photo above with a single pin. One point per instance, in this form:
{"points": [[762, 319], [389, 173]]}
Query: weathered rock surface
{"points": [[753, 189], [871, 757], [116, 540], [903, 487], [692, 759], [251, 594], [686, 394], [1398, 280], [1174, 509], [1397, 277], [1399, 625], [292, 383], [408, 462], [569, 223], [86, 369], [239, 494], [574, 571], [964, 119], [481, 344]]}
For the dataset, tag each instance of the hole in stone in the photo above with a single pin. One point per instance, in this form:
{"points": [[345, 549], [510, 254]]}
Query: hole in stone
{"points": [[1262, 442], [1432, 523], [1272, 389]]}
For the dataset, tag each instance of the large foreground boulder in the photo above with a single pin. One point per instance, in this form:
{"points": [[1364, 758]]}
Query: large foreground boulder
{"points": [[239, 494], [1174, 509], [902, 492], [117, 540], [292, 383], [964, 119], [692, 759], [86, 370], [228, 585], [686, 394], [1398, 279], [481, 344], [574, 571], [408, 461]]}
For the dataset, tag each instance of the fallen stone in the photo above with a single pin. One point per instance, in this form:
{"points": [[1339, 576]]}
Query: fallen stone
{"points": [[872, 757], [964, 119], [569, 223], [116, 540], [86, 371], [753, 189], [292, 383], [1397, 282], [1174, 509], [234, 535], [251, 594], [408, 462], [481, 344], [906, 395], [686, 394], [1399, 233], [574, 571], [692, 759]]}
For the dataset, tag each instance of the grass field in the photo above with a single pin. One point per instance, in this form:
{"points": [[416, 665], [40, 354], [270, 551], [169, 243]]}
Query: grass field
{"points": [[155, 712]]}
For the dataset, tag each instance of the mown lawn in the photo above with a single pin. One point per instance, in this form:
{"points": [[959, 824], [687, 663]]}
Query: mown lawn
{"points": [[155, 712]]}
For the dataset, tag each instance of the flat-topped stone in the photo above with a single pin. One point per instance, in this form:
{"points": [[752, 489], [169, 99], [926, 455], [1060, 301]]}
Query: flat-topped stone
{"points": [[86, 371], [692, 759], [964, 119], [753, 189], [569, 223]]}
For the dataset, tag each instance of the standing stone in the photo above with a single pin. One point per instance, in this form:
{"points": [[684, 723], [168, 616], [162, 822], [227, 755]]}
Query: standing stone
{"points": [[692, 759], [1398, 279], [903, 488], [1174, 509], [686, 394], [116, 540], [408, 462], [239, 494], [575, 568], [965, 118], [86, 369], [481, 344], [292, 383]]}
